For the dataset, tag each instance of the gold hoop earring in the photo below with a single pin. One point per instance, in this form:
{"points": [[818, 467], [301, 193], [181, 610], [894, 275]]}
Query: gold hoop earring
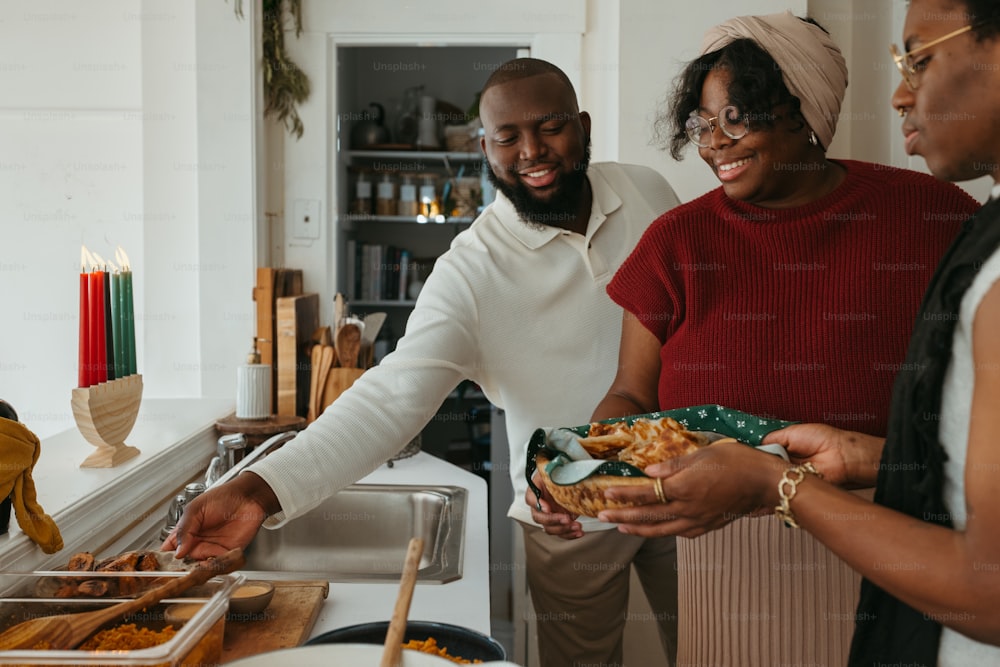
{"points": [[813, 141]]}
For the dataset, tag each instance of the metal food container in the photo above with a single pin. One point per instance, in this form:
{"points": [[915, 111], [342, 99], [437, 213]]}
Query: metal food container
{"points": [[196, 642]]}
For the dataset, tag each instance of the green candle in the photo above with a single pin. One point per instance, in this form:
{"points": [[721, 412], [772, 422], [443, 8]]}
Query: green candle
{"points": [[116, 323], [127, 312], [128, 321]]}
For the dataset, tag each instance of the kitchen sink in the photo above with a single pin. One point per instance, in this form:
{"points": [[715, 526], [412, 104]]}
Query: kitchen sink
{"points": [[361, 534]]}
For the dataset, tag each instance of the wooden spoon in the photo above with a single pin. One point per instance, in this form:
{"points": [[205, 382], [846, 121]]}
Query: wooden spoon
{"points": [[67, 631], [325, 364], [315, 359], [392, 653], [348, 344]]}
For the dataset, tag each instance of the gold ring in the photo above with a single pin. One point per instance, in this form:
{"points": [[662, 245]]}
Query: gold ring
{"points": [[658, 488], [902, 111]]}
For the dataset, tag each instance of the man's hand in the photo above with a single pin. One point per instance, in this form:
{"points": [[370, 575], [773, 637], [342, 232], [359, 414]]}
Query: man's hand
{"points": [[550, 515], [224, 517]]}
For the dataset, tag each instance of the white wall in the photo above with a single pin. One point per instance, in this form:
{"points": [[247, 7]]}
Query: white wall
{"points": [[71, 172], [125, 124]]}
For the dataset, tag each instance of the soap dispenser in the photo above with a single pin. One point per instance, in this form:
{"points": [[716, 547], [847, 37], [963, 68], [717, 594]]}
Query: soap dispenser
{"points": [[253, 387]]}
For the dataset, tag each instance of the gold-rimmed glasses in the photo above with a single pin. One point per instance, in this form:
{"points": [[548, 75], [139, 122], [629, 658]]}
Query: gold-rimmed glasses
{"points": [[732, 123], [904, 61]]}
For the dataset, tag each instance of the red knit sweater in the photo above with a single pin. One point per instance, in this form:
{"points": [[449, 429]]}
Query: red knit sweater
{"points": [[800, 314]]}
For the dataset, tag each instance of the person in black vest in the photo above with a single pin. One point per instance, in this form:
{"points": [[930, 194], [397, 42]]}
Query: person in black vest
{"points": [[927, 547]]}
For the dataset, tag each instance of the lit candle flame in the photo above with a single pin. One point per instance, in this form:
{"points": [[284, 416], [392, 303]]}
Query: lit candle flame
{"points": [[83, 258], [100, 262], [123, 259], [92, 260]]}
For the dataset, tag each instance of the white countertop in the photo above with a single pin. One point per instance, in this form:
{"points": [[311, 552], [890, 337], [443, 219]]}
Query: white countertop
{"points": [[102, 508], [92, 506]]}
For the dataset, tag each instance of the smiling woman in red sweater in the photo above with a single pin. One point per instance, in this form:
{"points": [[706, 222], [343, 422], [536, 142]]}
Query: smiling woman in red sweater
{"points": [[788, 292]]}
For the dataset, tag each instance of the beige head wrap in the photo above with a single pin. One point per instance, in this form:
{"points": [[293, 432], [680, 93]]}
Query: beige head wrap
{"points": [[811, 64]]}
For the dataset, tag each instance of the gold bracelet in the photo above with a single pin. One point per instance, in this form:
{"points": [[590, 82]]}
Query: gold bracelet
{"points": [[788, 487]]}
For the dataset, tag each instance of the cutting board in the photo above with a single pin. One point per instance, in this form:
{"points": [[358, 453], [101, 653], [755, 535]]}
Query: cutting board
{"points": [[272, 284], [297, 319], [285, 623]]}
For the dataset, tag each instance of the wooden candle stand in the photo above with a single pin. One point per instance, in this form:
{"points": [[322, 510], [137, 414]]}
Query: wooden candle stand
{"points": [[105, 414]]}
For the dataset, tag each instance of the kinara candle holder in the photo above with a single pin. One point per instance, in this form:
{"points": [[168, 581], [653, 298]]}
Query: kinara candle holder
{"points": [[105, 414]]}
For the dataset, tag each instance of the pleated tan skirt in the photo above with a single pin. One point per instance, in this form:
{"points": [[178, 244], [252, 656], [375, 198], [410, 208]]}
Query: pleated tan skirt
{"points": [[759, 594]]}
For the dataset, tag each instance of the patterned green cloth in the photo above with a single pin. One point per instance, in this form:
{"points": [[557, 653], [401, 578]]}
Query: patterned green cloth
{"points": [[570, 463]]}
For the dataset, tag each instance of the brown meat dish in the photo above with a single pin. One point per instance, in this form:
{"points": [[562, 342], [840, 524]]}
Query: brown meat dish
{"points": [[131, 561], [82, 562], [645, 442]]}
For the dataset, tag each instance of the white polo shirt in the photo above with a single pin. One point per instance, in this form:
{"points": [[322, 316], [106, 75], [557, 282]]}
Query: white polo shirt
{"points": [[521, 310]]}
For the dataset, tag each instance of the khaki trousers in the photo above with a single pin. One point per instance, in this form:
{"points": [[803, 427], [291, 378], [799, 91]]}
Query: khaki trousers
{"points": [[580, 588]]}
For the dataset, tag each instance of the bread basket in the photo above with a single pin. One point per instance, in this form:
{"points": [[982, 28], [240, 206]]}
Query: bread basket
{"points": [[582, 481], [586, 497]]}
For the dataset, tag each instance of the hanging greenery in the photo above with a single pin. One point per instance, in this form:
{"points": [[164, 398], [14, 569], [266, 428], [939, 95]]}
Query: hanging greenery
{"points": [[285, 85]]}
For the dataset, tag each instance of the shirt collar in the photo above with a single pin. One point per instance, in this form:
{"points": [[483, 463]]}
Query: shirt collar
{"points": [[995, 193], [605, 202]]}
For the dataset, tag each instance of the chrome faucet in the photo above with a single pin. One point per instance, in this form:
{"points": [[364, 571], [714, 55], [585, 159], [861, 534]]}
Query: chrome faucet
{"points": [[228, 452], [224, 466]]}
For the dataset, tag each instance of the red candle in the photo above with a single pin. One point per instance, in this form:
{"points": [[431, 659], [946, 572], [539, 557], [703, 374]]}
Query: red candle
{"points": [[96, 317], [83, 372], [102, 342]]}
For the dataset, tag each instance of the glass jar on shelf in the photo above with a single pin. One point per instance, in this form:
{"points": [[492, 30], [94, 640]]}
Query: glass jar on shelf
{"points": [[468, 197], [361, 202], [429, 206], [408, 204], [385, 196]]}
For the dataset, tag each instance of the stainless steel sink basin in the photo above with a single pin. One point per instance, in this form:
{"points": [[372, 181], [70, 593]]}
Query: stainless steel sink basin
{"points": [[361, 534]]}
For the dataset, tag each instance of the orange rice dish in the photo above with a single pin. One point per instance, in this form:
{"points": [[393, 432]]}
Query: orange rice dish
{"points": [[430, 645], [126, 637]]}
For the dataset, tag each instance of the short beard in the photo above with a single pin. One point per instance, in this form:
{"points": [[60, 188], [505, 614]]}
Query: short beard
{"points": [[558, 210]]}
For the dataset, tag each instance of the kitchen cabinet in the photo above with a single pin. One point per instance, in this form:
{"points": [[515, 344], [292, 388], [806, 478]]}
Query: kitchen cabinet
{"points": [[419, 104], [405, 206]]}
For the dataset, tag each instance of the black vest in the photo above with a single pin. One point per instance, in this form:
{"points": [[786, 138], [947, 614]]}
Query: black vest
{"points": [[911, 477]]}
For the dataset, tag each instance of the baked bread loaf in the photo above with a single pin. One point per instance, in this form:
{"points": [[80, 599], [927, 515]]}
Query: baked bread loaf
{"points": [[642, 443]]}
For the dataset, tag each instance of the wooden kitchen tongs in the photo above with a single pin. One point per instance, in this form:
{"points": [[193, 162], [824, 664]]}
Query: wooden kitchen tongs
{"points": [[67, 631]]}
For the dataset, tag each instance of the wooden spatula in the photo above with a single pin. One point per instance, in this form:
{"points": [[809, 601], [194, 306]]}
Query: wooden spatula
{"points": [[315, 360], [393, 650], [325, 364], [67, 631]]}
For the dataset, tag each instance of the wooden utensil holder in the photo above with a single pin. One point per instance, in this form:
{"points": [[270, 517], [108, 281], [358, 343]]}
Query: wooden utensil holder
{"points": [[105, 414]]}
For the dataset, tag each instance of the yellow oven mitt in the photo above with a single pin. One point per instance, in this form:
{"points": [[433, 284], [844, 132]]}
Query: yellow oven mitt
{"points": [[19, 450]]}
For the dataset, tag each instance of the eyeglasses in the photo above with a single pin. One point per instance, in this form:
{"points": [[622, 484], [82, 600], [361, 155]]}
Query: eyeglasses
{"points": [[731, 122], [904, 61]]}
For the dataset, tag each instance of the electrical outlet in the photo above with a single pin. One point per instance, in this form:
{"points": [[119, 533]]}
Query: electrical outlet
{"points": [[306, 219]]}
